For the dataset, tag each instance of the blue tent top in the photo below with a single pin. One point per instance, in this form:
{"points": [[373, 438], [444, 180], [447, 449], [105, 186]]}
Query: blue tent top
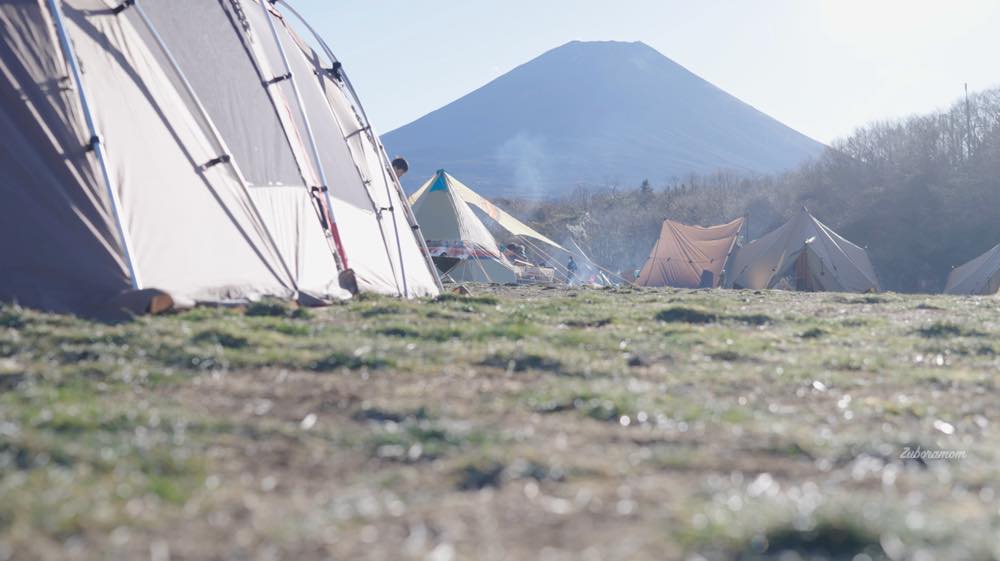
{"points": [[439, 182]]}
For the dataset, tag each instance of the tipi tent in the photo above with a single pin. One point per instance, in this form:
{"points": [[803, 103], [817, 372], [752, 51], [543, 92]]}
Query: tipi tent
{"points": [[979, 276], [535, 244], [690, 256], [459, 242], [808, 255], [197, 147]]}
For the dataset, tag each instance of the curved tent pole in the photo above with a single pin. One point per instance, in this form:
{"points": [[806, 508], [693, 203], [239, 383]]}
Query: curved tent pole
{"points": [[310, 134], [367, 126], [292, 135], [96, 143], [225, 157]]}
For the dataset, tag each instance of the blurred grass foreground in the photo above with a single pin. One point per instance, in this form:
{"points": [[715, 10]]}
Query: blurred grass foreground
{"points": [[519, 423]]}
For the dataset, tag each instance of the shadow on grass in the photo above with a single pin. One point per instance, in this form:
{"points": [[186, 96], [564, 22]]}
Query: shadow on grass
{"points": [[522, 362], [828, 541], [350, 361], [692, 315], [945, 329]]}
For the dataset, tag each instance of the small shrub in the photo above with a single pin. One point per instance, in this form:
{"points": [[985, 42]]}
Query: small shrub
{"points": [[523, 362], [682, 314], [273, 307], [944, 329], [814, 333], [474, 477], [828, 540], [350, 361], [11, 317], [221, 337], [451, 297]]}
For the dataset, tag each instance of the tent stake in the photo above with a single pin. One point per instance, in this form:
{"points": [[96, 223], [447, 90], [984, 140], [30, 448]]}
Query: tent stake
{"points": [[97, 144]]}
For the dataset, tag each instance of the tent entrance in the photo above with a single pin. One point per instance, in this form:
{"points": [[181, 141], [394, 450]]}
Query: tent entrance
{"points": [[445, 264], [802, 275]]}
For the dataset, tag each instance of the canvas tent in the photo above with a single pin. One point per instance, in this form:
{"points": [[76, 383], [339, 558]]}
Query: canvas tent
{"points": [[808, 255], [197, 147], [979, 276], [536, 245], [690, 256], [460, 243]]}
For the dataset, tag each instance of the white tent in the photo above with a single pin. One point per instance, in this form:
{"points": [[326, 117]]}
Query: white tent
{"points": [[979, 276], [459, 242], [199, 148], [540, 247], [808, 255]]}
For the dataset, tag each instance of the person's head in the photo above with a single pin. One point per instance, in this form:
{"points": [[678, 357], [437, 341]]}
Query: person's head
{"points": [[400, 166]]}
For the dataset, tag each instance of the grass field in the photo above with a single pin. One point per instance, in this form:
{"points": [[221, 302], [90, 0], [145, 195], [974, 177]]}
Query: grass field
{"points": [[515, 424]]}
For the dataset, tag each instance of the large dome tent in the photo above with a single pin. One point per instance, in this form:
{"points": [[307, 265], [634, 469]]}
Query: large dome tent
{"points": [[200, 148]]}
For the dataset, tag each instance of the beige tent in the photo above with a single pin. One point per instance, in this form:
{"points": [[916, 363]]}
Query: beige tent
{"points": [[459, 242], [512, 225], [690, 256], [538, 246], [808, 255], [979, 276], [200, 148]]}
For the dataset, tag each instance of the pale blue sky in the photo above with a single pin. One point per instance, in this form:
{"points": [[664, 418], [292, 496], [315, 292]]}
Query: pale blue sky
{"points": [[823, 67]]}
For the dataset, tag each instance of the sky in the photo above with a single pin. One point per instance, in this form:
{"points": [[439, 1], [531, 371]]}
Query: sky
{"points": [[822, 67]]}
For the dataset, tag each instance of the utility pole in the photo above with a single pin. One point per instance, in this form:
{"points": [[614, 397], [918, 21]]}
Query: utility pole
{"points": [[968, 124]]}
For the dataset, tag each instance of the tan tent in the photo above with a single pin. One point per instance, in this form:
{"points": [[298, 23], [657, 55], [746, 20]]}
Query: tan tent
{"points": [[690, 256], [979, 276], [201, 148], [459, 242], [808, 255]]}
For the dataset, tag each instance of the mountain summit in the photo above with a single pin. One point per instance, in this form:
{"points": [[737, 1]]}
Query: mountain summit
{"points": [[593, 113]]}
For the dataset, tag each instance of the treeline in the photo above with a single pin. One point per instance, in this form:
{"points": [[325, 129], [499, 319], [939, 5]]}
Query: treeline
{"points": [[922, 194]]}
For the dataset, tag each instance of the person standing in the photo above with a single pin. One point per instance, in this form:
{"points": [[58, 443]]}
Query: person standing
{"points": [[572, 268], [400, 166]]}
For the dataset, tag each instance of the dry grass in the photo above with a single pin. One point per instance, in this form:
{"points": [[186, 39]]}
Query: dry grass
{"points": [[516, 424]]}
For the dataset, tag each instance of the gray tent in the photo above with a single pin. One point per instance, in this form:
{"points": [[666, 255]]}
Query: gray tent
{"points": [[193, 146], [979, 276], [808, 255]]}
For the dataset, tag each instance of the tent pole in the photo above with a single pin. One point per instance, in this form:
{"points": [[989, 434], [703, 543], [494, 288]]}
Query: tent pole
{"points": [[483, 269], [556, 265], [310, 135], [96, 143], [226, 156], [407, 211]]}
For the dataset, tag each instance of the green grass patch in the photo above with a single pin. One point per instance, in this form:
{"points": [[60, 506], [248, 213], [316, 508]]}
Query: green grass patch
{"points": [[947, 329]]}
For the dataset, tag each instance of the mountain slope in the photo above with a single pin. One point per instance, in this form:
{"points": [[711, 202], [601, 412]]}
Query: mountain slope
{"points": [[591, 113]]}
